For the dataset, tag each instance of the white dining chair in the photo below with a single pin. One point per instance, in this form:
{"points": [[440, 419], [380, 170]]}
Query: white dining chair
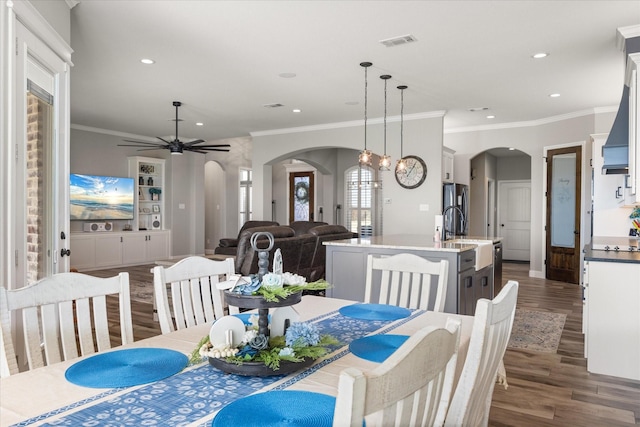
{"points": [[60, 315], [412, 387], [405, 281], [492, 325], [195, 299]]}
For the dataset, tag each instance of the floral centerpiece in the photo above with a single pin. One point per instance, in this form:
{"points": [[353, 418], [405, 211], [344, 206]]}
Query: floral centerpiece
{"points": [[301, 341]]}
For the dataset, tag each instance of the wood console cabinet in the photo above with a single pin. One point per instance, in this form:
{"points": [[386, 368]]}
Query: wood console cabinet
{"points": [[92, 251]]}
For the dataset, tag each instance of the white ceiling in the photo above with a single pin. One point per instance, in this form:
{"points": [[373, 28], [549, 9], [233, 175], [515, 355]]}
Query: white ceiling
{"points": [[223, 59]]}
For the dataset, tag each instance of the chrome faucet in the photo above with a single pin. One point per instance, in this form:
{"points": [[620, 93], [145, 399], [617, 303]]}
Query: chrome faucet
{"points": [[444, 220]]}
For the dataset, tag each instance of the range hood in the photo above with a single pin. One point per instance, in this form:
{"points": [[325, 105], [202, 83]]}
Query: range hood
{"points": [[616, 149]]}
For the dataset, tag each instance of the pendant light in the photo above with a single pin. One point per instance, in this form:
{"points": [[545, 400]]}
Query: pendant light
{"points": [[385, 160], [365, 155], [401, 166]]}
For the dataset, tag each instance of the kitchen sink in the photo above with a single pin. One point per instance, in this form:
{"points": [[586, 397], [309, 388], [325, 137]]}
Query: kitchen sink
{"points": [[484, 251]]}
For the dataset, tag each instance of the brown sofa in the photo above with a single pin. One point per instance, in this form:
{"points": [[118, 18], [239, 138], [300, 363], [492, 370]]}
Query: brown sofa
{"points": [[302, 254], [229, 245]]}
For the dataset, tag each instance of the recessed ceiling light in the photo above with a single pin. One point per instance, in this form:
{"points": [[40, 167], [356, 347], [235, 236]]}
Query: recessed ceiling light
{"points": [[199, 124], [539, 55], [147, 61], [511, 149], [287, 75], [554, 95], [491, 117], [296, 110]]}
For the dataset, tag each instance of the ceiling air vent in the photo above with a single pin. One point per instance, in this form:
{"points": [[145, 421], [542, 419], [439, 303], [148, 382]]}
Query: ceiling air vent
{"points": [[275, 105], [396, 41]]}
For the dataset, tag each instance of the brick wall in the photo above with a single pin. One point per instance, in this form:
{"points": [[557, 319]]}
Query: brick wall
{"points": [[36, 134]]}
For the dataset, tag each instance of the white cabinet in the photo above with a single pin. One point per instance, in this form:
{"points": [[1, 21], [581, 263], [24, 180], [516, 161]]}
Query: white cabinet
{"points": [[447, 164], [633, 81], [149, 206], [612, 339], [91, 251]]}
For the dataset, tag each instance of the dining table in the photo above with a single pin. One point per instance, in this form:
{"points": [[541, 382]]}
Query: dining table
{"points": [[194, 395]]}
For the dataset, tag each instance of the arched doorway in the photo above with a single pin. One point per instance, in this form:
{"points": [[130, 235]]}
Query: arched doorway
{"points": [[500, 200]]}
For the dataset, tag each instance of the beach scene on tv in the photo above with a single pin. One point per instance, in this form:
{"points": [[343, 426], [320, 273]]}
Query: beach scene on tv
{"points": [[101, 197]]}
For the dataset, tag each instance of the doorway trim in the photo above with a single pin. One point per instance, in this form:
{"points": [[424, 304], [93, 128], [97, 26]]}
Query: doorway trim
{"points": [[585, 190]]}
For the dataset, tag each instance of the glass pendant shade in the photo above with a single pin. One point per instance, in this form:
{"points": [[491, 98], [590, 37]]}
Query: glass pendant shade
{"points": [[401, 165], [385, 160], [365, 155]]}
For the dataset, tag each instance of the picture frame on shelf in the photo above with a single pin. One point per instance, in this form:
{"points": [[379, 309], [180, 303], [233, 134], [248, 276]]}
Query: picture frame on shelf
{"points": [[156, 208]]}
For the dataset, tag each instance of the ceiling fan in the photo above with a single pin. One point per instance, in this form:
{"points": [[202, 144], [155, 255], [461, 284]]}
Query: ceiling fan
{"points": [[176, 146]]}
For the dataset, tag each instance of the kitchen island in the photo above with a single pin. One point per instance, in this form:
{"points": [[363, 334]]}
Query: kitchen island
{"points": [[611, 311], [347, 264]]}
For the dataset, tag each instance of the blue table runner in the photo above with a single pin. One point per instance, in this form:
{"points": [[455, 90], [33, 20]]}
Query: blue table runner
{"points": [[199, 392]]}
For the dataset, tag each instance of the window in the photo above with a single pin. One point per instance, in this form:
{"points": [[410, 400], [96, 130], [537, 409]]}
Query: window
{"points": [[246, 196], [361, 199]]}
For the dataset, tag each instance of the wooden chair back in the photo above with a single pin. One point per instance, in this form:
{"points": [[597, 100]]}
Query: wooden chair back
{"points": [[406, 281], [489, 338], [64, 316], [195, 299], [411, 388]]}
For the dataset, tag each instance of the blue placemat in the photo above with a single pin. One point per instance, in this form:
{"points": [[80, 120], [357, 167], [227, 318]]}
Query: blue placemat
{"points": [[375, 312], [377, 348], [284, 408], [125, 368]]}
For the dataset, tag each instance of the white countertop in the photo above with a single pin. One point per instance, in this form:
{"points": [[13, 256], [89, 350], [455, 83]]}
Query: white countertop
{"points": [[404, 241]]}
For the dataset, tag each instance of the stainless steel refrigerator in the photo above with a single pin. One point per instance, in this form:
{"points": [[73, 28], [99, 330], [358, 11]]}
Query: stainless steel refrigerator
{"points": [[456, 195]]}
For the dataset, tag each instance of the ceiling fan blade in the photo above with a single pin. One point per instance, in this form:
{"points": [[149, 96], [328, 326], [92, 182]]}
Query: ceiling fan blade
{"points": [[144, 146], [190, 143], [225, 150], [142, 142], [164, 140], [215, 146]]}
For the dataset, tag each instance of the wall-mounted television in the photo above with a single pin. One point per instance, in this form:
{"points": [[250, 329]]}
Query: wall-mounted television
{"points": [[96, 198]]}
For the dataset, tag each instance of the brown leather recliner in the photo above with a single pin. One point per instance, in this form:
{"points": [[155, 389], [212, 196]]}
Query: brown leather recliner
{"points": [[324, 233], [229, 245], [303, 227]]}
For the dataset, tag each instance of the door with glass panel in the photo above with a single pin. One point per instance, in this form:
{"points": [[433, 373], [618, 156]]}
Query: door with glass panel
{"points": [[564, 169], [41, 186]]}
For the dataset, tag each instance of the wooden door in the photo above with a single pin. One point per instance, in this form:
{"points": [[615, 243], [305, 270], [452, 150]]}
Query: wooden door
{"points": [[301, 200], [514, 219], [564, 169]]}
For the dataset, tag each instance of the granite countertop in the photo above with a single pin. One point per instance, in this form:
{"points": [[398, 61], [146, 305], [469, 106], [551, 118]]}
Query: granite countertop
{"points": [[404, 241], [610, 256]]}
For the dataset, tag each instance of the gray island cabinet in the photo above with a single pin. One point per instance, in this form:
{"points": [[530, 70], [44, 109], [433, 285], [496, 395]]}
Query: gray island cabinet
{"points": [[347, 265]]}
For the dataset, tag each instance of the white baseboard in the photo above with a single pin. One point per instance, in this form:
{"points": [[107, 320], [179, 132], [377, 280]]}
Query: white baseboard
{"points": [[537, 274]]}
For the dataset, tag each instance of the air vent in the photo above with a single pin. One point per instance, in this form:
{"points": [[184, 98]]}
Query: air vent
{"points": [[276, 105], [396, 41]]}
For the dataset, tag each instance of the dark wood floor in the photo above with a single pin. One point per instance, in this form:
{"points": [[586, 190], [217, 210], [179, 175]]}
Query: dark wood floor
{"points": [[544, 389]]}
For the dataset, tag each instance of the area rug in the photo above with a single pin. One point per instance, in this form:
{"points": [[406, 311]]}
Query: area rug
{"points": [[537, 331]]}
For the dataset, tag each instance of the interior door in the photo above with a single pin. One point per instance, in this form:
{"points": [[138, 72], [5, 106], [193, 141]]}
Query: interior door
{"points": [[41, 188], [301, 200], [564, 169], [514, 218]]}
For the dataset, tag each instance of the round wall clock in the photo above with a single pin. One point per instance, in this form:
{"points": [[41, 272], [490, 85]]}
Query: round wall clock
{"points": [[414, 174]]}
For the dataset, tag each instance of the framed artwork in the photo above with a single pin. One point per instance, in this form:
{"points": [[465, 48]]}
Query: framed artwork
{"points": [[156, 208]]}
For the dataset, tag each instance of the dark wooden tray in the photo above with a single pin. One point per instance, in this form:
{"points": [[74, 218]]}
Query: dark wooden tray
{"points": [[259, 369], [257, 301]]}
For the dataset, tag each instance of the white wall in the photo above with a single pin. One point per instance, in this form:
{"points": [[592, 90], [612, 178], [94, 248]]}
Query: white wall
{"points": [[57, 14], [214, 203], [531, 138], [422, 137]]}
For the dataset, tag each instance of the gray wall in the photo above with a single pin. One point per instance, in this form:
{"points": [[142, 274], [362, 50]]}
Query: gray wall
{"points": [[514, 168], [57, 14]]}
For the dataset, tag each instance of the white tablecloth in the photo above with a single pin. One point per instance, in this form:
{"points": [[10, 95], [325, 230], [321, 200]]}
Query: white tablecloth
{"points": [[27, 395]]}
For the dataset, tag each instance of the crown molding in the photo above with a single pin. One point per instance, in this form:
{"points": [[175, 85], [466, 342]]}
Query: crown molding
{"points": [[531, 123], [29, 16], [72, 3], [352, 123]]}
